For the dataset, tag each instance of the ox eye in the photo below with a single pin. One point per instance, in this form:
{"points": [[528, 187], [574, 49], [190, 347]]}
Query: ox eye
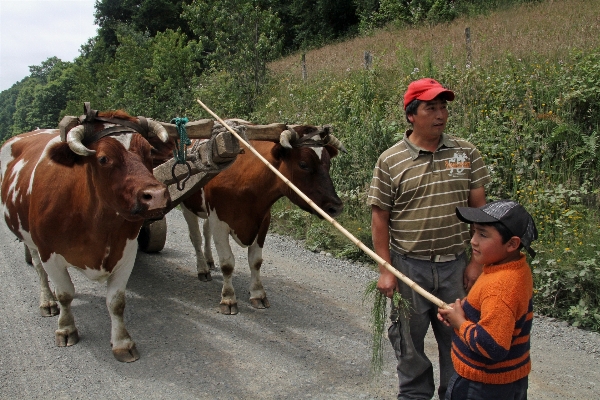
{"points": [[103, 160], [303, 165]]}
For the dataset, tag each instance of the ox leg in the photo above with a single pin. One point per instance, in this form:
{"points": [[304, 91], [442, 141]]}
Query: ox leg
{"points": [[227, 261], [123, 347], [196, 238], [207, 245], [258, 296], [56, 267], [48, 306]]}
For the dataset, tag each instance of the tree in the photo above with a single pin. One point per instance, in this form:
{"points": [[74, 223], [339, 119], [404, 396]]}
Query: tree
{"points": [[8, 100], [238, 38], [43, 95], [151, 16]]}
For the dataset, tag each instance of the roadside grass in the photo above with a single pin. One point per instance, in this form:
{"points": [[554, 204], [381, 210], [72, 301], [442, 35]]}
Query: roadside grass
{"points": [[529, 99]]}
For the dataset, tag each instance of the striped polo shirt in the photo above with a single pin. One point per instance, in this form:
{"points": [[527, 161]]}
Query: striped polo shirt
{"points": [[421, 190]]}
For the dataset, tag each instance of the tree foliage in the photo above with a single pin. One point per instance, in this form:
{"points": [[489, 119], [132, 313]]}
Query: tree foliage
{"points": [[238, 38]]}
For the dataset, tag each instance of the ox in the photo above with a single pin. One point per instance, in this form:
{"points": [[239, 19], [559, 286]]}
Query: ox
{"points": [[237, 203], [81, 204]]}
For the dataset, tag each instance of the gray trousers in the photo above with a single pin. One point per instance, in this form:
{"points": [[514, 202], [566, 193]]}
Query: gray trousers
{"points": [[407, 332]]}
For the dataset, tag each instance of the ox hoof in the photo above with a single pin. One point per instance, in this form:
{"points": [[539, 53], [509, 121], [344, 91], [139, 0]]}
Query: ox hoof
{"points": [[65, 339], [49, 310], [228, 309], [204, 277], [260, 303], [126, 355], [211, 265]]}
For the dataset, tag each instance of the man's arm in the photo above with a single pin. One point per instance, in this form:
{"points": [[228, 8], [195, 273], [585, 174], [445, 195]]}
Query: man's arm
{"points": [[380, 220], [473, 270], [476, 197]]}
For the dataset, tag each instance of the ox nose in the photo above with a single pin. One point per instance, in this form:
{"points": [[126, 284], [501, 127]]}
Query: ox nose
{"points": [[154, 198], [334, 209]]}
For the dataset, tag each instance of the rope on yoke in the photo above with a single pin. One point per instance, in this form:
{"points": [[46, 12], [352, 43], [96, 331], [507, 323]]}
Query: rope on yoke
{"points": [[180, 150], [181, 144]]}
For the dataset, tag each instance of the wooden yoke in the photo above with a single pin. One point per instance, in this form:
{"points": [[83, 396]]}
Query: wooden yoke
{"points": [[202, 129], [206, 158]]}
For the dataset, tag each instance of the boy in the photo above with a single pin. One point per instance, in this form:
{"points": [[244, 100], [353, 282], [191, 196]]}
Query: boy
{"points": [[490, 344]]}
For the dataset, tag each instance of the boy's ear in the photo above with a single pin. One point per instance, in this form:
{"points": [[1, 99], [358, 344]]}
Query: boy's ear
{"points": [[513, 243]]}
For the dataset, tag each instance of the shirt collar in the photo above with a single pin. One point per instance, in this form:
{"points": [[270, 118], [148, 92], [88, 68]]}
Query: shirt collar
{"points": [[416, 150]]}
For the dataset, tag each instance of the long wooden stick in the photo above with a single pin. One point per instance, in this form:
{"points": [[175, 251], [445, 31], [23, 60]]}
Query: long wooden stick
{"points": [[326, 216]]}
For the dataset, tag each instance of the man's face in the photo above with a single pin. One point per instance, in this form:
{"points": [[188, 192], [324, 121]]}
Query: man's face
{"points": [[431, 117]]}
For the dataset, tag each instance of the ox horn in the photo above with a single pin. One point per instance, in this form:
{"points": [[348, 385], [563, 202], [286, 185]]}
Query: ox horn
{"points": [[74, 138], [287, 136], [156, 129], [332, 140]]}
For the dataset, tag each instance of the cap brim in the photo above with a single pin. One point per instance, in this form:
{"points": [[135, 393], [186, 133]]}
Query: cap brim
{"points": [[435, 92], [473, 215]]}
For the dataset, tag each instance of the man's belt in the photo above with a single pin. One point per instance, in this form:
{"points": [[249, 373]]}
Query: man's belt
{"points": [[434, 258]]}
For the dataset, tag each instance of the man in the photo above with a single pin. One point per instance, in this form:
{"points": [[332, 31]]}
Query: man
{"points": [[417, 185]]}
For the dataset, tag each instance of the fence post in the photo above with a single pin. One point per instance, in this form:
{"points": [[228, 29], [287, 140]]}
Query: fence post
{"points": [[468, 43], [304, 74], [368, 60]]}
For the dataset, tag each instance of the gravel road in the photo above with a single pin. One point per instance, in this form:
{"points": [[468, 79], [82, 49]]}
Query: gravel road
{"points": [[314, 341]]}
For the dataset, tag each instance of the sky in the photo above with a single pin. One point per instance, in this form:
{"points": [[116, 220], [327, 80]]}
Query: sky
{"points": [[31, 31]]}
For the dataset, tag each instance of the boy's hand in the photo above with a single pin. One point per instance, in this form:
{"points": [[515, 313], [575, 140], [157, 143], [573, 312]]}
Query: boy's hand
{"points": [[454, 317]]}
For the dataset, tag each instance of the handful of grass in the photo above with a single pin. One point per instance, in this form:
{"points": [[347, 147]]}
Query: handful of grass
{"points": [[378, 319]]}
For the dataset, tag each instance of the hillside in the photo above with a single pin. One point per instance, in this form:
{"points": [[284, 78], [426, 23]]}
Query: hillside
{"points": [[520, 31]]}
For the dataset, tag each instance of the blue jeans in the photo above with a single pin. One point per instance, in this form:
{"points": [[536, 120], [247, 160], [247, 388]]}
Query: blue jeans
{"points": [[407, 332], [460, 388]]}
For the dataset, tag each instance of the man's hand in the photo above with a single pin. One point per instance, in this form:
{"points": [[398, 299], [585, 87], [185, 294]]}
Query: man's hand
{"points": [[472, 272], [387, 283]]}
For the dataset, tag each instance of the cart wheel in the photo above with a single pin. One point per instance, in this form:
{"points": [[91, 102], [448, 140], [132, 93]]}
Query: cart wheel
{"points": [[153, 236], [28, 259]]}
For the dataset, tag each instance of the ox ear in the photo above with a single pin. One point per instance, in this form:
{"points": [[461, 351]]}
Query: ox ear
{"points": [[332, 150], [62, 154], [279, 152]]}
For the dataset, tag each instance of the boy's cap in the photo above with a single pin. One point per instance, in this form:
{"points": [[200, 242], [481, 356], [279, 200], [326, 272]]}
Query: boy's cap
{"points": [[425, 89], [509, 213]]}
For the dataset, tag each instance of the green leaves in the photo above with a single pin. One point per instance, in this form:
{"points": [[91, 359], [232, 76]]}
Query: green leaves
{"points": [[238, 38]]}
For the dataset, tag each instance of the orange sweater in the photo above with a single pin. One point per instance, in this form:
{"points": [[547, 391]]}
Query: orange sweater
{"points": [[493, 345]]}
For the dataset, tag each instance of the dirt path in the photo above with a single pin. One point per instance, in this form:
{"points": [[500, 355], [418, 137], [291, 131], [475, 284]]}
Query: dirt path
{"points": [[313, 342]]}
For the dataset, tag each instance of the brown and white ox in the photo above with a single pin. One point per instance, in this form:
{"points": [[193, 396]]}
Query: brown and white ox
{"points": [[78, 206], [238, 201]]}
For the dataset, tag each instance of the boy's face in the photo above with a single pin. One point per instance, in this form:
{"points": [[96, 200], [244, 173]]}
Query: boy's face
{"points": [[488, 248]]}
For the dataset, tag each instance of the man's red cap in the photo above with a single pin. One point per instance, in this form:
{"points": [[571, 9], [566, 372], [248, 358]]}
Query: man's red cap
{"points": [[425, 89]]}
